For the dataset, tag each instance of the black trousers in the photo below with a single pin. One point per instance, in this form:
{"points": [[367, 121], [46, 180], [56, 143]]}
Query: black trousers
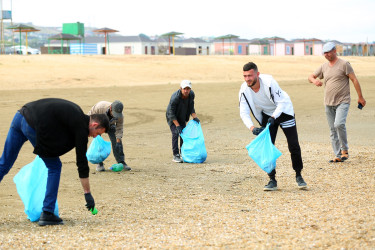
{"points": [[175, 136], [288, 125], [119, 154]]}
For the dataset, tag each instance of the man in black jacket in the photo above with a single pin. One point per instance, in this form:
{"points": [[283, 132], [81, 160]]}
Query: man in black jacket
{"points": [[179, 109], [54, 127]]}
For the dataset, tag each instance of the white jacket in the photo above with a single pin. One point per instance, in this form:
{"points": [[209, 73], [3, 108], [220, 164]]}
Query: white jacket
{"points": [[280, 98]]}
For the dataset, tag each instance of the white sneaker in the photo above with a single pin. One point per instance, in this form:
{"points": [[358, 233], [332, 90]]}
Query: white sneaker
{"points": [[100, 168]]}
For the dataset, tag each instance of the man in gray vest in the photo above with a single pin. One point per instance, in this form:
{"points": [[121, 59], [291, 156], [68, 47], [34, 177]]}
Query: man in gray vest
{"points": [[116, 118]]}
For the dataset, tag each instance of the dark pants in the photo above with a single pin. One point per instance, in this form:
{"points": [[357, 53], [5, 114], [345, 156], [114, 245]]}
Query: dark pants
{"points": [[119, 153], [288, 125], [18, 134], [175, 136]]}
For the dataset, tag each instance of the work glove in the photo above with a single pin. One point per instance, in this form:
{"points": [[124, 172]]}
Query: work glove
{"points": [[179, 129], [90, 203], [257, 131], [196, 119], [118, 147], [271, 121]]}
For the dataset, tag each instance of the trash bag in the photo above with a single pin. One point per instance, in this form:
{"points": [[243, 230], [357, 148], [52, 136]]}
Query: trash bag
{"points": [[31, 183], [263, 152], [99, 150], [193, 149]]}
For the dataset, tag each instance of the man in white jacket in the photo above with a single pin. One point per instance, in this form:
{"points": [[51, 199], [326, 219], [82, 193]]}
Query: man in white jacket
{"points": [[262, 96]]}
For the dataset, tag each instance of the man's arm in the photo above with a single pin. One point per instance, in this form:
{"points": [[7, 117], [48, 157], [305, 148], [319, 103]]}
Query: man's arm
{"points": [[85, 185], [314, 80], [357, 87]]}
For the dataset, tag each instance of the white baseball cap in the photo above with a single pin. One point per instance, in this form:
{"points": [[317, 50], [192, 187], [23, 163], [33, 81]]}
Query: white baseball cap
{"points": [[328, 47], [185, 83]]}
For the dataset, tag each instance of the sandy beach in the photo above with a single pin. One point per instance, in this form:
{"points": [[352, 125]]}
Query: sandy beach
{"points": [[218, 204]]}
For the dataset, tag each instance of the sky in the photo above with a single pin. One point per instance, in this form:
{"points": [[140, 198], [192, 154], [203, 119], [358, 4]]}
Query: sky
{"points": [[342, 20]]}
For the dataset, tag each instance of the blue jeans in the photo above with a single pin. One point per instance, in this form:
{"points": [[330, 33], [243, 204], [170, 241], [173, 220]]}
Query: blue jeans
{"points": [[336, 117], [18, 134]]}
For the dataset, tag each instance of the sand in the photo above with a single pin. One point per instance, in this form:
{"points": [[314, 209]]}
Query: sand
{"points": [[217, 204]]}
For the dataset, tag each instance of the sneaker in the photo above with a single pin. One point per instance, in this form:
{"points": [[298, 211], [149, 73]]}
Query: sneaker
{"points": [[126, 167], [301, 183], [100, 167], [47, 218], [177, 158], [271, 186]]}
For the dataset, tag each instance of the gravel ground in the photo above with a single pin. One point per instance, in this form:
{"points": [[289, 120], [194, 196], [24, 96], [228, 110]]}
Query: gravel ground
{"points": [[217, 204]]}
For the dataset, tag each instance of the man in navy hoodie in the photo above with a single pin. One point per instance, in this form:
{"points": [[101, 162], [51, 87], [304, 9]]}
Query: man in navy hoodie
{"points": [[54, 127]]}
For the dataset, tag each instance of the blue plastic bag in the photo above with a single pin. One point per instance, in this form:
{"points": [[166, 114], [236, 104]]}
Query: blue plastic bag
{"points": [[193, 149], [99, 150], [31, 183], [263, 152]]}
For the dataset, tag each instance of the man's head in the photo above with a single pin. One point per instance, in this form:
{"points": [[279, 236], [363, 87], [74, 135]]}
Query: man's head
{"points": [[98, 125], [329, 50], [116, 109], [185, 87], [250, 74]]}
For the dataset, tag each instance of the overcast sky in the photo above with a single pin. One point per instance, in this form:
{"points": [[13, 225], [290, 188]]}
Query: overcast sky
{"points": [[342, 20]]}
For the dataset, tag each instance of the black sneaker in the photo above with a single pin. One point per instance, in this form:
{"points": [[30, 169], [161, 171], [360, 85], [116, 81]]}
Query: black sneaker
{"points": [[126, 167], [47, 218], [301, 183], [271, 186], [177, 158]]}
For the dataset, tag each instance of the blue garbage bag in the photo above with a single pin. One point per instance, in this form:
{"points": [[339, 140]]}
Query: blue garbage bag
{"points": [[193, 149], [31, 183], [263, 152], [99, 150]]}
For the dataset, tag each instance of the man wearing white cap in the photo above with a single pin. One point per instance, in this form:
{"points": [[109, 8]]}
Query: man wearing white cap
{"points": [[116, 127], [336, 73], [180, 107]]}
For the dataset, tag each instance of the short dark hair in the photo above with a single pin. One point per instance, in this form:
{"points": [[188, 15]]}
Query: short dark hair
{"points": [[249, 66], [102, 119]]}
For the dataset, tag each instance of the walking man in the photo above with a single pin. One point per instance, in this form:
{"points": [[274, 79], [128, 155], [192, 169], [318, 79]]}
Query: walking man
{"points": [[116, 127], [262, 96], [54, 127], [180, 107], [336, 73]]}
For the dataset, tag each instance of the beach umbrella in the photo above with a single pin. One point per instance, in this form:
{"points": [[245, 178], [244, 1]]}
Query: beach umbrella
{"points": [[106, 38], [230, 37], [62, 37], [19, 27], [26, 31], [275, 38], [169, 35]]}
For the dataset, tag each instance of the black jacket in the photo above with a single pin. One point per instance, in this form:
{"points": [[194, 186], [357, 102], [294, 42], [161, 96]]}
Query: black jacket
{"points": [[60, 125], [175, 108]]}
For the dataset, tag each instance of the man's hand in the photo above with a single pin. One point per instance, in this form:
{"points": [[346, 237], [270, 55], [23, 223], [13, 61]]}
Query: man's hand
{"points": [[179, 129], [90, 203], [112, 127], [196, 119], [257, 131], [318, 83], [271, 121]]}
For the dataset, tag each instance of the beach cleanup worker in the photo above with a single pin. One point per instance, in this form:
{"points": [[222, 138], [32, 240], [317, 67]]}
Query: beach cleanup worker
{"points": [[261, 96], [54, 127], [180, 107], [336, 74], [113, 110]]}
